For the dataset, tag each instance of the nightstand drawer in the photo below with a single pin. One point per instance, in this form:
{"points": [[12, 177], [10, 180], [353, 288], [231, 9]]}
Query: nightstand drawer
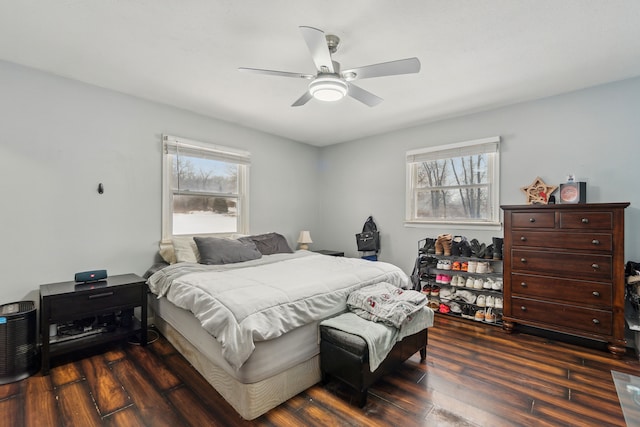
{"points": [[89, 303], [564, 264], [533, 220], [576, 292], [567, 316], [599, 242]]}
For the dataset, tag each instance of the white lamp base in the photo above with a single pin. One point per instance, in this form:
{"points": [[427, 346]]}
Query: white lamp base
{"points": [[303, 246]]}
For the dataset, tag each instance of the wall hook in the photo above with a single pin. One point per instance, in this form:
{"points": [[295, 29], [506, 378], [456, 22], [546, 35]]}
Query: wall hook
{"points": [[100, 188]]}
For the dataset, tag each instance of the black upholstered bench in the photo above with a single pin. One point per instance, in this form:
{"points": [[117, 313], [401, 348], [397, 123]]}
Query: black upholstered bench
{"points": [[346, 357]]}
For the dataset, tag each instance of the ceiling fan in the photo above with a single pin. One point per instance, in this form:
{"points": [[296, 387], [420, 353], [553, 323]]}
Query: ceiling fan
{"points": [[332, 84]]}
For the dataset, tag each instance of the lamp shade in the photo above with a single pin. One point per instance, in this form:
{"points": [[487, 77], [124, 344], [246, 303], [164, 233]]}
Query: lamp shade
{"points": [[305, 237]]}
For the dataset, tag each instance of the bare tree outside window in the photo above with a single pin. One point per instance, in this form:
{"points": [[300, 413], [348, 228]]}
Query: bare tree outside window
{"points": [[453, 184]]}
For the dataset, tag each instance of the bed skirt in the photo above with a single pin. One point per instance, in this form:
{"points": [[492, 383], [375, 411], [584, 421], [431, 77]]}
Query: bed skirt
{"points": [[249, 400]]}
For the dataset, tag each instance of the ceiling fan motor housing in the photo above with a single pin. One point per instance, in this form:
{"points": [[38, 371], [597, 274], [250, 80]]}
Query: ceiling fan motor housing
{"points": [[328, 87]]}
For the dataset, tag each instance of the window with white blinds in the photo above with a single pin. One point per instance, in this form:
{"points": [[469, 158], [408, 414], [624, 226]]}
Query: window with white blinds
{"points": [[205, 188], [454, 183]]}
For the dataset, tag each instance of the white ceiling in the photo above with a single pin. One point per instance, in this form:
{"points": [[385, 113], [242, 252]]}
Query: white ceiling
{"points": [[475, 54]]}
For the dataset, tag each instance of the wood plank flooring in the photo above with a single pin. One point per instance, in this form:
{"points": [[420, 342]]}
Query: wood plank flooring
{"points": [[475, 375]]}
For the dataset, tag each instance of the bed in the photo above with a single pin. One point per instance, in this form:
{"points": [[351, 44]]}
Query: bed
{"points": [[251, 327]]}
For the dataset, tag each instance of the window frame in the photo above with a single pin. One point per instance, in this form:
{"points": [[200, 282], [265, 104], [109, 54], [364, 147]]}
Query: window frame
{"points": [[211, 151], [490, 146]]}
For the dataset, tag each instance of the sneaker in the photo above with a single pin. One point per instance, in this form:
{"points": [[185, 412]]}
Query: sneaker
{"points": [[433, 305], [447, 293], [464, 266], [426, 289], [440, 265], [456, 266], [455, 308], [488, 284], [445, 279], [490, 316], [472, 266], [497, 285], [455, 280], [482, 267], [479, 316], [435, 291], [446, 264], [498, 302], [478, 284], [469, 282], [439, 278], [490, 301], [481, 302], [466, 296], [443, 308]]}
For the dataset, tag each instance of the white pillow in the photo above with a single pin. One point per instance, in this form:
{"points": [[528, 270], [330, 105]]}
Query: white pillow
{"points": [[185, 249], [167, 252]]}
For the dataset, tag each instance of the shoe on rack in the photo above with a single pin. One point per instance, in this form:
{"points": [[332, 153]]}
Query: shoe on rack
{"points": [[456, 266], [498, 243], [472, 266], [478, 283], [490, 301], [498, 302], [469, 282], [440, 265], [483, 267], [429, 246], [481, 301], [479, 316], [444, 308], [488, 284], [466, 296], [464, 266], [497, 285], [435, 291], [434, 305], [489, 316], [426, 289], [458, 243], [446, 264], [488, 253], [443, 243], [445, 279], [447, 293], [455, 308]]}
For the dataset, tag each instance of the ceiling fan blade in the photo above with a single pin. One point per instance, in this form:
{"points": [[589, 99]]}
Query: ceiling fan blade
{"points": [[306, 97], [401, 66], [364, 96], [317, 43], [276, 73]]}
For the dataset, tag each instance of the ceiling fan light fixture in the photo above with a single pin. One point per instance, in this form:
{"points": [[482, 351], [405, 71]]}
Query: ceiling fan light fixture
{"points": [[328, 88]]}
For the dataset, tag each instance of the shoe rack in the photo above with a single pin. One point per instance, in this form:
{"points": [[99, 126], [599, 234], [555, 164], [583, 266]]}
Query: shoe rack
{"points": [[469, 287]]}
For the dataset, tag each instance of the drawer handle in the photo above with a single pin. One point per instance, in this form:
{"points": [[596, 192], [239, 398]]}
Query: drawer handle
{"points": [[596, 321], [523, 239], [523, 260], [523, 308], [595, 293], [585, 220], [102, 295], [532, 220], [523, 284], [595, 242], [595, 266]]}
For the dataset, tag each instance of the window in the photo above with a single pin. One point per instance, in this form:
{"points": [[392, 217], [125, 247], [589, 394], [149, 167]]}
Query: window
{"points": [[205, 188], [454, 184]]}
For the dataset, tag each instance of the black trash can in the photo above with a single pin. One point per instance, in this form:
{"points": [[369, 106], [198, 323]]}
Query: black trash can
{"points": [[18, 348]]}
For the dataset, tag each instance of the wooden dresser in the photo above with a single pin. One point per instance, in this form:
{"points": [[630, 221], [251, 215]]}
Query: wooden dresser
{"points": [[564, 270]]}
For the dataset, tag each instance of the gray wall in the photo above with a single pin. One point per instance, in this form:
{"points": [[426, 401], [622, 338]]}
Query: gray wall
{"points": [[593, 133], [60, 138]]}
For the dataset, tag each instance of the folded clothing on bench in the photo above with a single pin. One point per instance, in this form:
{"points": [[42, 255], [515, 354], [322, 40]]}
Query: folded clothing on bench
{"points": [[386, 303]]}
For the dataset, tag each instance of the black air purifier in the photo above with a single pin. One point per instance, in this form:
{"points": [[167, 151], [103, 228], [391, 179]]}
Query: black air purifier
{"points": [[18, 350]]}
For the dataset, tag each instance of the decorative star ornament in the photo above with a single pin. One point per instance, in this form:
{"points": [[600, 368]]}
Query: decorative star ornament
{"points": [[538, 192]]}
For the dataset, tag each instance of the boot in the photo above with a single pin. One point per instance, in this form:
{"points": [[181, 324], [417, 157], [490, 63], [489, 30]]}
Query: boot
{"points": [[498, 242], [429, 246], [456, 245], [488, 253], [444, 241]]}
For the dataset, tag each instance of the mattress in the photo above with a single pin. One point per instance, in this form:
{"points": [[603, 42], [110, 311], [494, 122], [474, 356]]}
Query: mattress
{"points": [[250, 400], [269, 357]]}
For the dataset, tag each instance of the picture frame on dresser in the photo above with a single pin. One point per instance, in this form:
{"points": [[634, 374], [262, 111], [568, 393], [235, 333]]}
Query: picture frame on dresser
{"points": [[564, 270]]}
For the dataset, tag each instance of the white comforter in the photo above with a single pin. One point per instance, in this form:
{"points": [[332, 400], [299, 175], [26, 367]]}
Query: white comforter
{"points": [[262, 299]]}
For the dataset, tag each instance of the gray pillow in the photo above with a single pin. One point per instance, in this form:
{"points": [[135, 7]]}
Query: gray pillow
{"points": [[225, 251], [270, 243]]}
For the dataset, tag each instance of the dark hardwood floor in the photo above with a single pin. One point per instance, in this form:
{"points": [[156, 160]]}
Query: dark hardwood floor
{"points": [[475, 374]]}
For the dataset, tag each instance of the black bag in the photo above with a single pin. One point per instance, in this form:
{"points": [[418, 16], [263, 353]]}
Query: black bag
{"points": [[369, 239]]}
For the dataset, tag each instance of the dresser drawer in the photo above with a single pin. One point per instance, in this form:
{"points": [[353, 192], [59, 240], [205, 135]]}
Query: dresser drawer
{"points": [[567, 316], [588, 294], [91, 303], [586, 220], [599, 242], [563, 264], [533, 220]]}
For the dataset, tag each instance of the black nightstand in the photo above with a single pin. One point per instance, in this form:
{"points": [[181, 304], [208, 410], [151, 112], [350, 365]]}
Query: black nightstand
{"points": [[91, 314], [329, 252]]}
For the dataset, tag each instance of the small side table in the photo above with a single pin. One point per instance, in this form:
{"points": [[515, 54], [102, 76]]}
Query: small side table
{"points": [[66, 302], [329, 252]]}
